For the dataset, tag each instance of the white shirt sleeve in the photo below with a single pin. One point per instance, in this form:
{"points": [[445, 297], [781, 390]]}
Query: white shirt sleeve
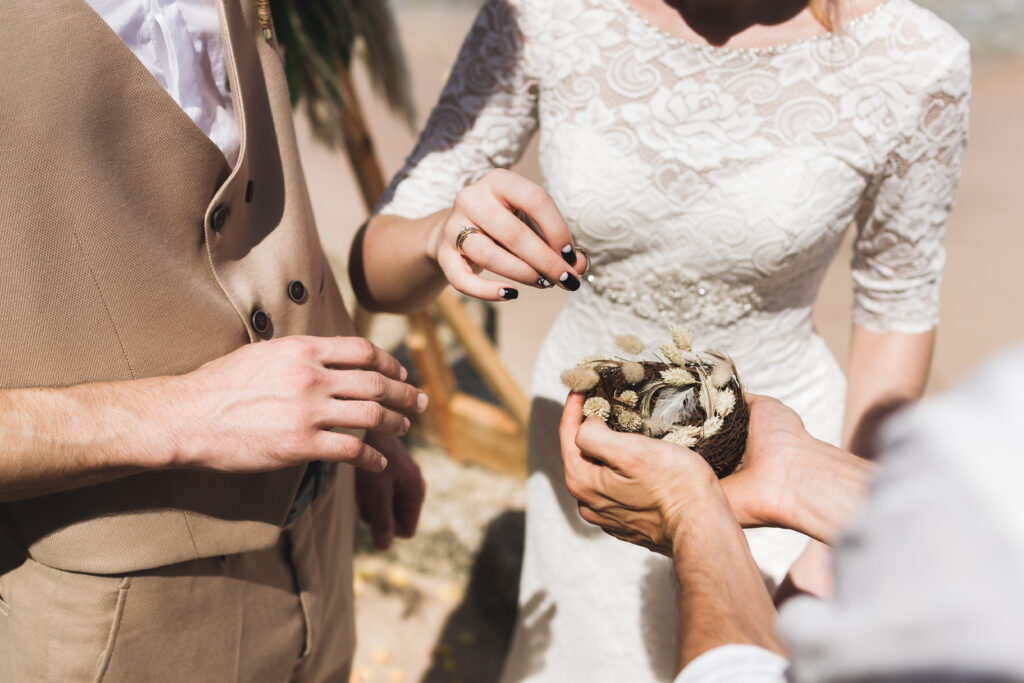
{"points": [[929, 578], [735, 664]]}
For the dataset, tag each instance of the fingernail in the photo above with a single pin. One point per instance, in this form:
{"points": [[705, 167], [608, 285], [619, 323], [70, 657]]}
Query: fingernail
{"points": [[403, 374], [569, 254], [508, 293], [383, 463], [544, 282], [421, 402], [406, 426], [569, 281]]}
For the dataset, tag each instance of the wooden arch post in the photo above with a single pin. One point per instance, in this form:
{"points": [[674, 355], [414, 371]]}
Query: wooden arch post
{"points": [[469, 429]]}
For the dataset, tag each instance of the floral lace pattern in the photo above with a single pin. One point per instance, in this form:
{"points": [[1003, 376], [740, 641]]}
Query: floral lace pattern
{"points": [[712, 186]]}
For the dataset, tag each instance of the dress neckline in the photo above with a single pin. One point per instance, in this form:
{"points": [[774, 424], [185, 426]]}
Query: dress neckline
{"points": [[842, 32]]}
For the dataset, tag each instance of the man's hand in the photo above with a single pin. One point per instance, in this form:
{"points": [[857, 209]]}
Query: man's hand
{"points": [[273, 404], [760, 488], [390, 501], [667, 498], [635, 488], [791, 480], [261, 407]]}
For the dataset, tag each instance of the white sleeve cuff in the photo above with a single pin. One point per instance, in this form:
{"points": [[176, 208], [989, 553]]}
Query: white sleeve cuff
{"points": [[735, 664]]}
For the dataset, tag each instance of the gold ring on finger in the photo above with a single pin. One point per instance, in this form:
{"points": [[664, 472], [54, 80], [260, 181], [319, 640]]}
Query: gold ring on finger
{"points": [[465, 232]]}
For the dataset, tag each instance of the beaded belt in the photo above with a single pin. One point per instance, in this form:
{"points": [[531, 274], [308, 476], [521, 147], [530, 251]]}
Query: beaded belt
{"points": [[665, 294]]}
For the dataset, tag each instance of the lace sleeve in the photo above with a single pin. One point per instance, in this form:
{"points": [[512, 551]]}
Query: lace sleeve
{"points": [[898, 253], [485, 116]]}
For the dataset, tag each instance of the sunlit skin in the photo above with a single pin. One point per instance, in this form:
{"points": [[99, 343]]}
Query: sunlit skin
{"points": [[262, 407]]}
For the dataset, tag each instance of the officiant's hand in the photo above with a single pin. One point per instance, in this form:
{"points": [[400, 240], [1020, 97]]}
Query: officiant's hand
{"points": [[494, 213], [636, 488], [390, 501]]}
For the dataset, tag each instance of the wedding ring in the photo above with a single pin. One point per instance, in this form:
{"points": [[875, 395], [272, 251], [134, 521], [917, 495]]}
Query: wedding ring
{"points": [[586, 255], [465, 232]]}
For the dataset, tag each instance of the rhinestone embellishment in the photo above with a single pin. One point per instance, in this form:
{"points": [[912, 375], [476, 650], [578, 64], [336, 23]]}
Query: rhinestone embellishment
{"points": [[668, 295]]}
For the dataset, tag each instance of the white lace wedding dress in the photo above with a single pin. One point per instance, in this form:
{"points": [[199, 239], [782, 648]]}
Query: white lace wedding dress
{"points": [[712, 187]]}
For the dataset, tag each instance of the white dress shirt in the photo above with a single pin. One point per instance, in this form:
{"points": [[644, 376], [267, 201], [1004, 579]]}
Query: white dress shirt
{"points": [[179, 42], [930, 578]]}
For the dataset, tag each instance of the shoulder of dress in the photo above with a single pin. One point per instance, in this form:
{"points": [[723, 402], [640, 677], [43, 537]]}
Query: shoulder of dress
{"points": [[921, 28], [522, 9], [529, 18]]}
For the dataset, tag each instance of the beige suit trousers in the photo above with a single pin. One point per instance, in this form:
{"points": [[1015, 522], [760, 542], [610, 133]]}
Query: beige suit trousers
{"points": [[275, 615]]}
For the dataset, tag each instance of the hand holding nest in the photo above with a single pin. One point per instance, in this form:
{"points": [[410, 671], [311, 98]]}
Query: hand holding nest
{"points": [[646, 490], [636, 488]]}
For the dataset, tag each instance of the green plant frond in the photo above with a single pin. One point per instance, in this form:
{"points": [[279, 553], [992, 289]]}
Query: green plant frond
{"points": [[320, 36]]}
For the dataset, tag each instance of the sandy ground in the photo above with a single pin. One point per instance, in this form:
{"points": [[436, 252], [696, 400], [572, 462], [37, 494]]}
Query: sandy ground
{"points": [[424, 613]]}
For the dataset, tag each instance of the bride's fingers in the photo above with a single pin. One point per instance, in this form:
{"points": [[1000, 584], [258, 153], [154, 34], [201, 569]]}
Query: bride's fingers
{"points": [[510, 232], [461, 276], [538, 205], [483, 252]]}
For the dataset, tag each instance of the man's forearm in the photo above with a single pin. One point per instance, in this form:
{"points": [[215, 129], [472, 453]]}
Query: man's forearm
{"points": [[722, 597], [262, 407], [52, 440]]}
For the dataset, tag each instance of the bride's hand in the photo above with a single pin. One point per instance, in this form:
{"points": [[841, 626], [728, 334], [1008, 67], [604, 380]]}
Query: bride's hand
{"points": [[502, 243]]}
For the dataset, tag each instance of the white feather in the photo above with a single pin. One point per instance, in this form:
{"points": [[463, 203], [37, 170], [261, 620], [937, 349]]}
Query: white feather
{"points": [[673, 406]]}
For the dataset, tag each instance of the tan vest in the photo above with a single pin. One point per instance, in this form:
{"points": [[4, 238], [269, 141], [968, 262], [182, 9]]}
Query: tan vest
{"points": [[129, 248]]}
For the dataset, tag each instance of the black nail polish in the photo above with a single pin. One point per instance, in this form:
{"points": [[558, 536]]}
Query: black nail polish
{"points": [[508, 293], [544, 283], [569, 254], [569, 281]]}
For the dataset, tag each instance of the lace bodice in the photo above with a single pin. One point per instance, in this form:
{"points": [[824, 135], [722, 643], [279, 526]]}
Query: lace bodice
{"points": [[733, 171], [713, 187]]}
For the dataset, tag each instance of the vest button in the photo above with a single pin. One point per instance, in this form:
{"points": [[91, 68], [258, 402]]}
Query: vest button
{"points": [[218, 218], [260, 321], [296, 291]]}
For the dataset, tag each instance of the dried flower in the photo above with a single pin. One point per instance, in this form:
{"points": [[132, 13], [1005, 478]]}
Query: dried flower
{"points": [[629, 397], [592, 358], [721, 374], [682, 338], [684, 436], [630, 421], [633, 372], [712, 426], [673, 354], [679, 377], [597, 406], [630, 343], [725, 401], [580, 379]]}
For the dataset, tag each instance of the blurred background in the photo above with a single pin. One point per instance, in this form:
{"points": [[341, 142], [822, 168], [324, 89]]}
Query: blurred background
{"points": [[437, 608]]}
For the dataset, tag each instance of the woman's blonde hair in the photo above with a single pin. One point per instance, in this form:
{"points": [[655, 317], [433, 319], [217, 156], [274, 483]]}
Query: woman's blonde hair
{"points": [[824, 11]]}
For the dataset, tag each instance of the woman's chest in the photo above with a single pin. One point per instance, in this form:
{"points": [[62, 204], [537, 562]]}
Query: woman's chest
{"points": [[683, 153]]}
